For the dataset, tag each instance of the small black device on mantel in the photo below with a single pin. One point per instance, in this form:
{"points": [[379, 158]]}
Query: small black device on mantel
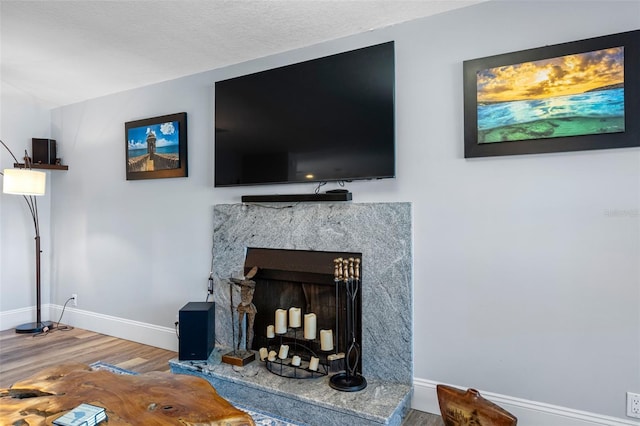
{"points": [[297, 198], [196, 324], [43, 150], [326, 119]]}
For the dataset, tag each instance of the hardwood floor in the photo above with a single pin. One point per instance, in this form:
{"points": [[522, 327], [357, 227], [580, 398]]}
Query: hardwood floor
{"points": [[22, 355]]}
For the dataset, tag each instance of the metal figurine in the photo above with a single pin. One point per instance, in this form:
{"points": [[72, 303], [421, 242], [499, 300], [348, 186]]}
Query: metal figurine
{"points": [[248, 309], [244, 308]]}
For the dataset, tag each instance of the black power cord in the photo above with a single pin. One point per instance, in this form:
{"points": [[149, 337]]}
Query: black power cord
{"points": [[64, 327], [47, 330]]}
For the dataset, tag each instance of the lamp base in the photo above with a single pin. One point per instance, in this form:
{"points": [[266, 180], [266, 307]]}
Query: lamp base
{"points": [[33, 327], [348, 383]]}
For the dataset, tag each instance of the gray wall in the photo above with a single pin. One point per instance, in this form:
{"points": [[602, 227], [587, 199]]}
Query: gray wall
{"points": [[525, 284], [22, 117]]}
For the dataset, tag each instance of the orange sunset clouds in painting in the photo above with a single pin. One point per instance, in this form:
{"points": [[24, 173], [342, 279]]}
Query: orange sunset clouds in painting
{"points": [[564, 75]]}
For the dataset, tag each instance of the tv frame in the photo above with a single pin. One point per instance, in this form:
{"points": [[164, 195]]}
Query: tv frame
{"points": [[318, 180], [629, 138]]}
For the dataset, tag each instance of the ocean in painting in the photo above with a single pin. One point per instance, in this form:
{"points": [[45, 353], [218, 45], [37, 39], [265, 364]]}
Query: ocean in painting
{"points": [[595, 112], [168, 149]]}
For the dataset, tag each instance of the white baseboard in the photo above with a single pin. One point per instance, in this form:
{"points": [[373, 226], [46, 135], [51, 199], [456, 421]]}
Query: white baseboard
{"points": [[148, 334], [15, 317], [529, 413]]}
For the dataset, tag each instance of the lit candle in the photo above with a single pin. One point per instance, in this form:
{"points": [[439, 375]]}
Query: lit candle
{"points": [[270, 332], [310, 326], [281, 321], [284, 351], [263, 354], [313, 364], [272, 356], [295, 361], [294, 317], [326, 340]]}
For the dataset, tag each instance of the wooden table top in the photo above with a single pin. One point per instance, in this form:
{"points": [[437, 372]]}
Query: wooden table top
{"points": [[156, 398]]}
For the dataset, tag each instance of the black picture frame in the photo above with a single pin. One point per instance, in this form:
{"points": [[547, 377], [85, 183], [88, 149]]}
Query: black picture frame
{"points": [[162, 154], [479, 75]]}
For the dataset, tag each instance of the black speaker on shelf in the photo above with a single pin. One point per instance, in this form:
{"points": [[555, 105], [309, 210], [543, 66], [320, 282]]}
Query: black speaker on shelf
{"points": [[196, 330], [43, 151]]}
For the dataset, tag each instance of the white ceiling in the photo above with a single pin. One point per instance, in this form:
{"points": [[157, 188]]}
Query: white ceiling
{"points": [[64, 52]]}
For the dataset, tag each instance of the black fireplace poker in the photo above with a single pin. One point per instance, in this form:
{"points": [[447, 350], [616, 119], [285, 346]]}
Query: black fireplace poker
{"points": [[348, 273]]}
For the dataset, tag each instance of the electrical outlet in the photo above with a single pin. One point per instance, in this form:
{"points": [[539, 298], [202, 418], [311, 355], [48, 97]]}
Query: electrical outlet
{"points": [[75, 299], [633, 405]]}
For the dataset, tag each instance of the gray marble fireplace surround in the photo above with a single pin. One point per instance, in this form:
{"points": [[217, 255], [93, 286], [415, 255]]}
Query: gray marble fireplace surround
{"points": [[382, 233]]}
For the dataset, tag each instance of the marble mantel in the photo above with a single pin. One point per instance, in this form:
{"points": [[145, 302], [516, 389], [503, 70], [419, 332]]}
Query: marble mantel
{"points": [[380, 231]]}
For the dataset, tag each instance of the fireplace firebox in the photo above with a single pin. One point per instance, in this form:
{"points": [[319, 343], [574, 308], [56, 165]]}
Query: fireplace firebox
{"points": [[301, 279]]}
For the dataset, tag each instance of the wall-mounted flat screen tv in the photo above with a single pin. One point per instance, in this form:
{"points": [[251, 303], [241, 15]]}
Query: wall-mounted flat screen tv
{"points": [[327, 119]]}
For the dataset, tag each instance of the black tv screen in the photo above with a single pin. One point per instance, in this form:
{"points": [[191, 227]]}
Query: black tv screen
{"points": [[327, 119]]}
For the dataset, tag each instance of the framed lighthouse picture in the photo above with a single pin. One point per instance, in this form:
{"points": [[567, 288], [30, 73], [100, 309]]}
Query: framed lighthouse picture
{"points": [[157, 147]]}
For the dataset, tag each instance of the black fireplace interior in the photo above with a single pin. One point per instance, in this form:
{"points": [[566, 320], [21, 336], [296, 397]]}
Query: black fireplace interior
{"points": [[303, 279]]}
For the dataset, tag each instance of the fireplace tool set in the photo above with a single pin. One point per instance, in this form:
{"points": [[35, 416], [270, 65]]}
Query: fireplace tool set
{"points": [[347, 275]]}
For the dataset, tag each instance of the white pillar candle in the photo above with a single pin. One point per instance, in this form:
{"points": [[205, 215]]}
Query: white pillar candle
{"points": [[270, 332], [284, 351], [295, 361], [326, 340], [272, 356], [310, 326], [281, 321], [294, 317], [263, 354], [313, 364]]}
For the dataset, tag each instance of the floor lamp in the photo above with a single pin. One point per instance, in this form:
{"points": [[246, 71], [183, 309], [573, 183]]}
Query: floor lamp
{"points": [[28, 183]]}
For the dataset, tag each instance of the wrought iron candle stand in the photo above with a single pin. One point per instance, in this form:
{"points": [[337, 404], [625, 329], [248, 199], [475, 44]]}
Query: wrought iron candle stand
{"points": [[285, 368], [347, 273]]}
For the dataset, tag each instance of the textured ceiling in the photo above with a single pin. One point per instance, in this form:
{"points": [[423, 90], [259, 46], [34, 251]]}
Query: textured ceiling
{"points": [[64, 52]]}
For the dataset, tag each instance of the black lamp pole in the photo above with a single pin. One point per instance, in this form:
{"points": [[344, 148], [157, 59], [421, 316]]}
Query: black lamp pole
{"points": [[39, 325]]}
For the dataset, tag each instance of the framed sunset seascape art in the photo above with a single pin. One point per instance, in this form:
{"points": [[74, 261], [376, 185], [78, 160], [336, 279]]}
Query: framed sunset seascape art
{"points": [[580, 95], [156, 147]]}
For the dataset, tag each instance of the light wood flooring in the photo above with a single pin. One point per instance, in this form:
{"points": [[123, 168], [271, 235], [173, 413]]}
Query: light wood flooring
{"points": [[22, 355]]}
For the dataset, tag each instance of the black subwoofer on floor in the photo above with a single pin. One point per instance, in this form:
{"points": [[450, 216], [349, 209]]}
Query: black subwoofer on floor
{"points": [[197, 331]]}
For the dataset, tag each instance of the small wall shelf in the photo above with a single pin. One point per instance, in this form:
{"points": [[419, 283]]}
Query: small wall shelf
{"points": [[42, 166]]}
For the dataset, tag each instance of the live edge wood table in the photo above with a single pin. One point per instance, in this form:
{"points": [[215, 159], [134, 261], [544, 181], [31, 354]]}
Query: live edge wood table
{"points": [[157, 398]]}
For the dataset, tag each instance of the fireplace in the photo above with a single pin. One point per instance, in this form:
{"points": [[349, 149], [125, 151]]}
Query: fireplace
{"points": [[379, 233], [302, 279]]}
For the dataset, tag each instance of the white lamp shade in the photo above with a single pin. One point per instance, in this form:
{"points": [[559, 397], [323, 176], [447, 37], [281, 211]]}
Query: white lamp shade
{"points": [[24, 182]]}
